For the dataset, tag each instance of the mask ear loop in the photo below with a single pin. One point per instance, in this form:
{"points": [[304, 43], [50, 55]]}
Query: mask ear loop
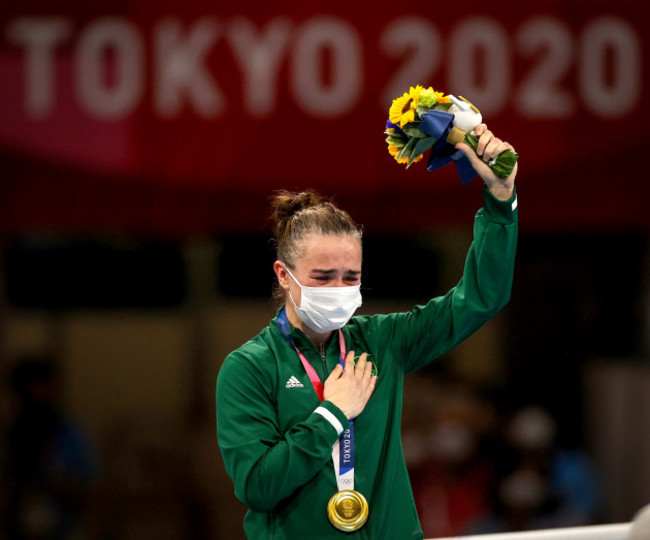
{"points": [[297, 283]]}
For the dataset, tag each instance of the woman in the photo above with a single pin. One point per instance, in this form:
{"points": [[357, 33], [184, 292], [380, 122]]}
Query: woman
{"points": [[311, 440]]}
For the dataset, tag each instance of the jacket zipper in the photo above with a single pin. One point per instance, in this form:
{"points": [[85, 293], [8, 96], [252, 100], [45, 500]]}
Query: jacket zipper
{"points": [[323, 355]]}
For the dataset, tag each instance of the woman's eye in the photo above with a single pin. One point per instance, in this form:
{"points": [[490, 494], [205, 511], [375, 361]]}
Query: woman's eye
{"points": [[347, 280]]}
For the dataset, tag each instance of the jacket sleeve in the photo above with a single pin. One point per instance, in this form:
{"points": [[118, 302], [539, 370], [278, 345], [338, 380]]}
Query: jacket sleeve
{"points": [[267, 466], [418, 336]]}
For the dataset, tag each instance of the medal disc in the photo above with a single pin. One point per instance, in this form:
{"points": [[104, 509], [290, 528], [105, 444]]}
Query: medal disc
{"points": [[347, 510]]}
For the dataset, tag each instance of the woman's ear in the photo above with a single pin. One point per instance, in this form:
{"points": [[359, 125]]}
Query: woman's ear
{"points": [[282, 274]]}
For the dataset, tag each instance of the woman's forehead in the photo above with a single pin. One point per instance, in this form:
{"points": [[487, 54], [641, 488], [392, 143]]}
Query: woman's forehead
{"points": [[335, 250]]}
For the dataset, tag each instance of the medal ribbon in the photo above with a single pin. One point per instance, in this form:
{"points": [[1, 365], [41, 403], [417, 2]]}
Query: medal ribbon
{"points": [[343, 449]]}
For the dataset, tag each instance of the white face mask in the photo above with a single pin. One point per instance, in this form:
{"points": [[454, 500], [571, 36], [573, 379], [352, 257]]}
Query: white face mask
{"points": [[324, 309]]}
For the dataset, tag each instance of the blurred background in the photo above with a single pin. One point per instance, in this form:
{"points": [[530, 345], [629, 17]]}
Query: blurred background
{"points": [[139, 143]]}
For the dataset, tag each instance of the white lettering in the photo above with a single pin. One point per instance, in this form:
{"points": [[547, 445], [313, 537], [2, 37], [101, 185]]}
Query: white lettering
{"points": [[120, 39], [180, 73], [259, 56], [614, 96], [39, 36], [316, 37], [489, 86], [413, 39], [541, 94], [600, 69]]}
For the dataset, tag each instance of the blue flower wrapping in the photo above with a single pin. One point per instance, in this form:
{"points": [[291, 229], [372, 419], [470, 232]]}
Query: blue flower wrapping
{"points": [[438, 124]]}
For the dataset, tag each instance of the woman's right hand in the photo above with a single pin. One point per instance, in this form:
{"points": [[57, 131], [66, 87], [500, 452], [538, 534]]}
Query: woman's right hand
{"points": [[350, 388], [488, 147]]}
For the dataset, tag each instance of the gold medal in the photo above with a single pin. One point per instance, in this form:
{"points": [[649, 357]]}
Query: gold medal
{"points": [[348, 510]]}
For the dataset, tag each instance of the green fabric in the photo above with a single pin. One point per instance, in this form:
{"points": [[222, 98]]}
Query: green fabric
{"points": [[279, 452]]}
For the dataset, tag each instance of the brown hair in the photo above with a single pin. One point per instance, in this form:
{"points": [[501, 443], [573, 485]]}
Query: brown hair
{"points": [[296, 215]]}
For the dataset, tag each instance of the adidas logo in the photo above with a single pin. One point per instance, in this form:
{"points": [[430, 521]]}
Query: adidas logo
{"points": [[294, 383]]}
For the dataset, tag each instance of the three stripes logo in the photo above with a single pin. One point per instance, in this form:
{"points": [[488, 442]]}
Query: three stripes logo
{"points": [[294, 383]]}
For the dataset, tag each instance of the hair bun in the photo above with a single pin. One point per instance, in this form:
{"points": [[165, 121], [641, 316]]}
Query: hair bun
{"points": [[286, 204]]}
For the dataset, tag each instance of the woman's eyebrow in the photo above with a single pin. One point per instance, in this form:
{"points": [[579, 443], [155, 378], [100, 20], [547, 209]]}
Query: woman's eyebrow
{"points": [[332, 271], [322, 271]]}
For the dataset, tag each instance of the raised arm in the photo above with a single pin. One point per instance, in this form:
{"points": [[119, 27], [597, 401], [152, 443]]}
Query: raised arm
{"points": [[426, 332]]}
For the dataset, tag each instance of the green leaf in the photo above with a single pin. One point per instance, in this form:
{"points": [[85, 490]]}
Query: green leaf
{"points": [[443, 106], [421, 111], [410, 161], [504, 163], [394, 141], [471, 141], [408, 148], [414, 132], [422, 146], [410, 125]]}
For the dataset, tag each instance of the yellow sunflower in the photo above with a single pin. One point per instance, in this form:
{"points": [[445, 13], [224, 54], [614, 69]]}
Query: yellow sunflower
{"points": [[402, 111], [394, 150]]}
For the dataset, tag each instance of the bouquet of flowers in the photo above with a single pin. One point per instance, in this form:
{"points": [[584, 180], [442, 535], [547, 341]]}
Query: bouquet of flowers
{"points": [[423, 119]]}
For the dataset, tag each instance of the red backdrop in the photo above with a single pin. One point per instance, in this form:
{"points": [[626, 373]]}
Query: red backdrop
{"points": [[179, 117]]}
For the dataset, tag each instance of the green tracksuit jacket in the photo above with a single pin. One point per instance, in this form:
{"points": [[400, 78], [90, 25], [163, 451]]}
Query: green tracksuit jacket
{"points": [[278, 449]]}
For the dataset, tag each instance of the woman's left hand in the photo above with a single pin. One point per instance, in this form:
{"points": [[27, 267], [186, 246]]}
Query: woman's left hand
{"points": [[488, 147]]}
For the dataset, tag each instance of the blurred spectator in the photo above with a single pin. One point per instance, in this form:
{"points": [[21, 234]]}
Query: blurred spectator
{"points": [[48, 464], [571, 474], [541, 484], [521, 502], [449, 471]]}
